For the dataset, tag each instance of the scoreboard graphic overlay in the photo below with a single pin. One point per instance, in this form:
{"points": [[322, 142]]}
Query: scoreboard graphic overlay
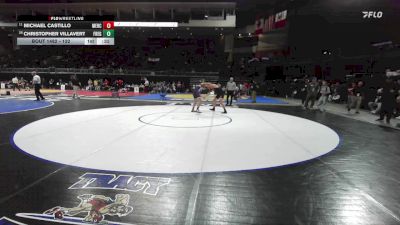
{"points": [[65, 30]]}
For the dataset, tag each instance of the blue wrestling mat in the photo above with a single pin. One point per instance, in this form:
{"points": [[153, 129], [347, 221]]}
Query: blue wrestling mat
{"points": [[150, 97], [262, 99], [19, 105]]}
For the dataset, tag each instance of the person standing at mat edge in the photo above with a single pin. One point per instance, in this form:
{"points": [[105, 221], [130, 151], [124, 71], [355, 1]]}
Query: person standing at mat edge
{"points": [[355, 96], [253, 89], [312, 92], [230, 91], [76, 86], [37, 84], [324, 91], [15, 83], [388, 102]]}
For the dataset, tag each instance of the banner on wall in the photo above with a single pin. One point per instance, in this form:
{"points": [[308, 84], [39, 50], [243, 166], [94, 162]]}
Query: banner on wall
{"points": [[259, 26], [271, 22], [280, 19]]}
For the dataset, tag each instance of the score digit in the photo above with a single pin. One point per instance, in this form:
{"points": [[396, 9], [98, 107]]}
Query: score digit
{"points": [[108, 25], [108, 33]]}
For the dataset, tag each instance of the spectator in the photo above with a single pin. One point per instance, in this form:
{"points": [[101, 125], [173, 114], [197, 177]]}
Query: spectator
{"points": [[388, 103], [336, 95], [90, 85], [398, 105], [375, 106], [253, 89], [302, 93], [146, 85], [106, 84], [351, 96], [173, 87], [51, 83], [23, 83], [324, 91], [75, 86], [312, 92], [359, 95], [120, 83], [179, 87], [15, 83], [397, 85], [96, 85]]}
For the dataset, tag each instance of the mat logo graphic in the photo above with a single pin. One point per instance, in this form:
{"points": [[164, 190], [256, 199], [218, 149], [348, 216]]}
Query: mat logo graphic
{"points": [[147, 185], [7, 221], [372, 14], [96, 208]]}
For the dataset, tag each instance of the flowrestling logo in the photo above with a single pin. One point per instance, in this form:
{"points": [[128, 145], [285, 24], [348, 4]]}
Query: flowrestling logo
{"points": [[372, 14]]}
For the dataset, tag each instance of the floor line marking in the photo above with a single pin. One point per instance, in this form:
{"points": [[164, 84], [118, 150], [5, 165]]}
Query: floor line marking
{"points": [[10, 196], [99, 149], [379, 205], [336, 173], [364, 194], [5, 143], [4, 199], [284, 134], [191, 211], [11, 220]]}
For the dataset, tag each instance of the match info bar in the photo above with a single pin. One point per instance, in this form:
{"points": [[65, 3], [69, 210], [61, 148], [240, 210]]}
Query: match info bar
{"points": [[65, 41], [65, 30]]}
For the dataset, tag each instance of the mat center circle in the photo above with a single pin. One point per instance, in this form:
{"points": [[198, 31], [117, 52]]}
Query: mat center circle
{"points": [[185, 119]]}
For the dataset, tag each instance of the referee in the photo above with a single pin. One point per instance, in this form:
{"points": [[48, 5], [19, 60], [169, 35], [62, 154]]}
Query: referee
{"points": [[230, 90], [37, 83]]}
